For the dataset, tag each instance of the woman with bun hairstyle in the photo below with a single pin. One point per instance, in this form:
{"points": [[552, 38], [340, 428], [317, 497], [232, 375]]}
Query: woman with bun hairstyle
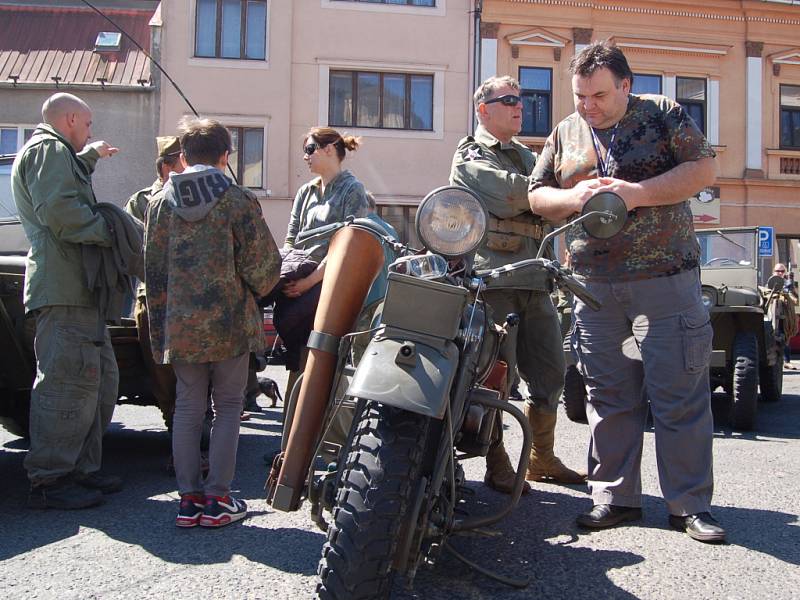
{"points": [[330, 197]]}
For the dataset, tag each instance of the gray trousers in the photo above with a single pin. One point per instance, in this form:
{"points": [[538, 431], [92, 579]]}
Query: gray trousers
{"points": [[73, 395], [228, 379], [673, 332], [535, 346]]}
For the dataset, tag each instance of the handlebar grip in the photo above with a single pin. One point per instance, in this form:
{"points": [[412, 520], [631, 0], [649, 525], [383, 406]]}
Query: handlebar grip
{"points": [[579, 289]]}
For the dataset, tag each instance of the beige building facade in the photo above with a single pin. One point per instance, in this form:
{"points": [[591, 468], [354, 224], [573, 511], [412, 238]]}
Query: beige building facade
{"points": [[396, 75], [734, 65]]}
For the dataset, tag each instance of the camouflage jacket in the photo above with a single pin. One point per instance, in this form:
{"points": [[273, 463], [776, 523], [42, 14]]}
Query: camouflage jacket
{"points": [[499, 174], [208, 256], [654, 136], [52, 188]]}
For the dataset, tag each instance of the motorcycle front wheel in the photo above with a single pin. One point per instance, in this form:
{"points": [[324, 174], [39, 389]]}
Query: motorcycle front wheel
{"points": [[382, 471]]}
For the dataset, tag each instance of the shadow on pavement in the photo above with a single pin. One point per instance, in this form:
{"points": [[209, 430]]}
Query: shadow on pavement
{"points": [[143, 513]]}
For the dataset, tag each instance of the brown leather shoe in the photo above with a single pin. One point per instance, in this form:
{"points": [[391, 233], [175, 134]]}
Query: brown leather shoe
{"points": [[544, 464], [500, 475]]}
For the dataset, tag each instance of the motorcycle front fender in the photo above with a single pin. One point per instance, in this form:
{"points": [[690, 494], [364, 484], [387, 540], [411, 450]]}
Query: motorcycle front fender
{"points": [[411, 375]]}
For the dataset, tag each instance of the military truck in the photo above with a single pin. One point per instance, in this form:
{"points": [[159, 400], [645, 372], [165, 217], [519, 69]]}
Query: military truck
{"points": [[748, 341]]}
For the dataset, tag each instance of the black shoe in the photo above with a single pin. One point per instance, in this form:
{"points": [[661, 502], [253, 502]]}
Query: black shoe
{"points": [[701, 527], [607, 515], [250, 405], [107, 484], [64, 494]]}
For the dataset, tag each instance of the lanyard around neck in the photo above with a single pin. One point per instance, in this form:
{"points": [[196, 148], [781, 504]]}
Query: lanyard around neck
{"points": [[604, 164]]}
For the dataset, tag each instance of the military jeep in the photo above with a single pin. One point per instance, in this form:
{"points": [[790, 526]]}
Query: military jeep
{"points": [[748, 348], [17, 361]]}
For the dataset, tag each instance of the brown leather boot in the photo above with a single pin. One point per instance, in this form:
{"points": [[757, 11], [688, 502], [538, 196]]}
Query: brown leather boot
{"points": [[500, 474], [544, 464]]}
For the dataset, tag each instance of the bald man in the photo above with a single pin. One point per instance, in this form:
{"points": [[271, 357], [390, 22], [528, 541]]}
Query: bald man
{"points": [[75, 390]]}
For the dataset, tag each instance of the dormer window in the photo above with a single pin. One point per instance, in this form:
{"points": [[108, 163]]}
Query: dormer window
{"points": [[108, 41]]}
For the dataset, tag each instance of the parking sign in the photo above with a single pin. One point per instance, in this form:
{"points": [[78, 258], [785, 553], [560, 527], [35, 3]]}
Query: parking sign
{"points": [[766, 239]]}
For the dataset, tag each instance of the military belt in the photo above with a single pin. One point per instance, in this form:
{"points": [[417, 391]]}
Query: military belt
{"points": [[531, 230]]}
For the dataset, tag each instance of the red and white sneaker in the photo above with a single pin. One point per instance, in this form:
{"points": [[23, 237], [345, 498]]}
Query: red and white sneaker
{"points": [[190, 510], [222, 510]]}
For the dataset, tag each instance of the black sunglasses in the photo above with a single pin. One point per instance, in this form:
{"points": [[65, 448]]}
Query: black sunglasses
{"points": [[309, 149], [507, 100]]}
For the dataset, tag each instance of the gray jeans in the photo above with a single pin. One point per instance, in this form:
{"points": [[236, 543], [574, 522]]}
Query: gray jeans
{"points": [[73, 396], [228, 379], [673, 332]]}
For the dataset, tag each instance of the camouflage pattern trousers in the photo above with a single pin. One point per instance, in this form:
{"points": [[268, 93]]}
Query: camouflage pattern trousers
{"points": [[73, 396], [672, 330]]}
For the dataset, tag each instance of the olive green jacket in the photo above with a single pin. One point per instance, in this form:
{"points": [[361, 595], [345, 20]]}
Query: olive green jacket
{"points": [[499, 174], [137, 203], [52, 188], [344, 196]]}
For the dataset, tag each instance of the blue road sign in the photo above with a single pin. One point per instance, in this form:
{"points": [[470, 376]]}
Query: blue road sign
{"points": [[766, 240]]}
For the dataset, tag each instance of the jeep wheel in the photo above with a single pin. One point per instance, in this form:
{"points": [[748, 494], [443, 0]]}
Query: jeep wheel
{"points": [[770, 380], [745, 381], [574, 395]]}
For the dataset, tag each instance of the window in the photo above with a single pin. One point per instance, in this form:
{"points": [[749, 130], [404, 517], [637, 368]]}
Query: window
{"points": [[646, 84], [691, 94], [402, 218], [247, 158], [380, 100], [231, 29], [408, 2], [535, 89], [13, 137], [790, 116]]}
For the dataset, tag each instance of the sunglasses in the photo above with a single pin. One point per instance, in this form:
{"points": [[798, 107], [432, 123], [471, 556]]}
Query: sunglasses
{"points": [[780, 271], [507, 100], [309, 149]]}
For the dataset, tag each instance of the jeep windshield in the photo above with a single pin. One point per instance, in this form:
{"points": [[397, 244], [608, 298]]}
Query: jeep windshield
{"points": [[728, 249]]}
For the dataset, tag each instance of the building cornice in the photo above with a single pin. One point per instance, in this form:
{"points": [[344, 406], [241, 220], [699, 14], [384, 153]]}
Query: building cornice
{"points": [[661, 12]]}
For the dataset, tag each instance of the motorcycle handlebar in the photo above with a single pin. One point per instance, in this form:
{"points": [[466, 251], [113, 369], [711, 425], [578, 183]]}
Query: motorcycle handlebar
{"points": [[579, 289], [557, 273]]}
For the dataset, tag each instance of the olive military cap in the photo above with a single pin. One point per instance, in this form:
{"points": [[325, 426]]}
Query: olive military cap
{"points": [[168, 145]]}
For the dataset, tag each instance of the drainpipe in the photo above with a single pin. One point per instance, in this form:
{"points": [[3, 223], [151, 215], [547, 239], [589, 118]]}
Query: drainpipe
{"points": [[476, 58]]}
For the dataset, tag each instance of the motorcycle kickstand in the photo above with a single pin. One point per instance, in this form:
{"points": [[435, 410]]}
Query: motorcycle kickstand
{"points": [[509, 581]]}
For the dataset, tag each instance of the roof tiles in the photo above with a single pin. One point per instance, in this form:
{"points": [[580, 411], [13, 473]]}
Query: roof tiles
{"points": [[42, 45]]}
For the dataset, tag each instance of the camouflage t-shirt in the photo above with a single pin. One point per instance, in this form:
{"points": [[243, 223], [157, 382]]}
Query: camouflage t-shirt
{"points": [[654, 136]]}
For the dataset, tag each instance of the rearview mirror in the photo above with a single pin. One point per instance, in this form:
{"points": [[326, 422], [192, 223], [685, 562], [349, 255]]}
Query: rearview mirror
{"points": [[603, 226], [775, 283]]}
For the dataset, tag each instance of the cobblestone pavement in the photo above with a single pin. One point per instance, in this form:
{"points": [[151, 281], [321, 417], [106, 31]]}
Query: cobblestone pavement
{"points": [[129, 547]]}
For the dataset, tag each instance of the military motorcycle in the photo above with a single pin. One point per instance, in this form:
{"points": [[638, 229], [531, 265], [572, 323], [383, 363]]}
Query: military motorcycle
{"points": [[426, 393]]}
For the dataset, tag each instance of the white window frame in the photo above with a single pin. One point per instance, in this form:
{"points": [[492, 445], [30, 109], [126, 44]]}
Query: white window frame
{"points": [[669, 85], [20, 132], [227, 63], [440, 10], [438, 72], [257, 122]]}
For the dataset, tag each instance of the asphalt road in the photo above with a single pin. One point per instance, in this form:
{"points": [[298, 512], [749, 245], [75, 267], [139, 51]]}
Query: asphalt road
{"points": [[130, 548]]}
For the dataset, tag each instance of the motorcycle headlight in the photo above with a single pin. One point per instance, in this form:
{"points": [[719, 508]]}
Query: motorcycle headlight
{"points": [[451, 221], [709, 296]]}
